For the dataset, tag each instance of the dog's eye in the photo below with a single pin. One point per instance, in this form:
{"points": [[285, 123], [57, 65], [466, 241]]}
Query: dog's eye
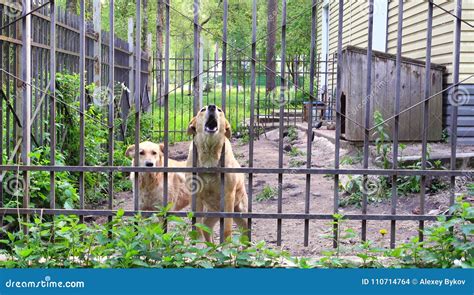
{"points": [[142, 153], [203, 109], [219, 110], [153, 152]]}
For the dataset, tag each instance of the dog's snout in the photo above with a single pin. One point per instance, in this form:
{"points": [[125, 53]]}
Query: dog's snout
{"points": [[149, 164], [211, 108]]}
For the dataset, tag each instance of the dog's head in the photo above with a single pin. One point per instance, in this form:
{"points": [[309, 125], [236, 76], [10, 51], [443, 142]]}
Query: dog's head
{"points": [[150, 154], [210, 121]]}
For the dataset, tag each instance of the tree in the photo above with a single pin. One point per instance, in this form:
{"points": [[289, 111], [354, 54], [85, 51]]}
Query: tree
{"points": [[145, 25], [272, 13], [71, 6]]}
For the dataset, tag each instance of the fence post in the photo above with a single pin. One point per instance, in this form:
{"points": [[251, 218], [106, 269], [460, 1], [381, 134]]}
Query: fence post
{"points": [[201, 69], [26, 103], [150, 68], [97, 43], [130, 60]]}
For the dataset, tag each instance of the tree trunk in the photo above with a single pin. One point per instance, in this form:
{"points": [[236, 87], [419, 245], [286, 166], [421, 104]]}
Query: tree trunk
{"points": [[145, 25], [71, 6], [272, 12], [159, 51]]}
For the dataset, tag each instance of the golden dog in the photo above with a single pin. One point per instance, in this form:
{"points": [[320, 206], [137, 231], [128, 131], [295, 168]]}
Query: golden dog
{"points": [[151, 184], [211, 132]]}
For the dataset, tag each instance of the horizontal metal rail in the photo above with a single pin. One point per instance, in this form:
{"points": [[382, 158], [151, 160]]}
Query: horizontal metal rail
{"points": [[329, 171], [83, 212]]}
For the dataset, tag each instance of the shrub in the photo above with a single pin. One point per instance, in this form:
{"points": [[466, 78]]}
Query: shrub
{"points": [[128, 242]]}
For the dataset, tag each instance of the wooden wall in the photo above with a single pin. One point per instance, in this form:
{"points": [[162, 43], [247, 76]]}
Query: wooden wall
{"points": [[382, 97]]}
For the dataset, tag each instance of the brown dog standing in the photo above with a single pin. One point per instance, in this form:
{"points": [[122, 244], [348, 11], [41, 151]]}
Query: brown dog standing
{"points": [[150, 184], [211, 132]]}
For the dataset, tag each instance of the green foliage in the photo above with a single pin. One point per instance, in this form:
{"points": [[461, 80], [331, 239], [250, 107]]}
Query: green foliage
{"points": [[448, 243], [292, 133], [295, 152], [267, 193], [128, 242], [66, 193], [351, 160], [294, 163], [95, 140]]}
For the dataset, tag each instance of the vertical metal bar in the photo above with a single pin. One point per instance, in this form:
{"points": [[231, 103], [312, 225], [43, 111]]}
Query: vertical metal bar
{"points": [[454, 106], [426, 109], [196, 85], [26, 75], [338, 118], [82, 98], [282, 111], [331, 103], [166, 102], [195, 93], [7, 126], [396, 122], [175, 98], [224, 55], [224, 84], [309, 132], [112, 100], [208, 74], [252, 111], [52, 101], [368, 97], [137, 85]]}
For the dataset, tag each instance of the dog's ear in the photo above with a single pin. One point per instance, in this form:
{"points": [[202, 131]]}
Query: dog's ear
{"points": [[130, 151], [228, 129], [192, 126], [162, 147]]}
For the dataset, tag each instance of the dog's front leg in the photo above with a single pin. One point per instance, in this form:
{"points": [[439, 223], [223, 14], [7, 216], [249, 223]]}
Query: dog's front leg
{"points": [[229, 207], [207, 221]]}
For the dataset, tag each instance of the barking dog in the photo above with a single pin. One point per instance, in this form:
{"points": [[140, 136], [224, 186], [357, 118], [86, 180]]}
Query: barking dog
{"points": [[151, 183], [211, 132]]}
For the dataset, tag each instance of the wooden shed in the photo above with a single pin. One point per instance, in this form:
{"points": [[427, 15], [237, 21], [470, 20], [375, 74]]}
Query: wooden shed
{"points": [[382, 98]]}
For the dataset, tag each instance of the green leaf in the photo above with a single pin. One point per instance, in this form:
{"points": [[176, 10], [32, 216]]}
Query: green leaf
{"points": [[25, 252], [467, 229], [120, 212], [203, 228]]}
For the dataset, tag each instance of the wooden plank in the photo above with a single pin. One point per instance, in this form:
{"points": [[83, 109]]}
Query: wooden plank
{"points": [[436, 106], [380, 100], [404, 102], [415, 124]]}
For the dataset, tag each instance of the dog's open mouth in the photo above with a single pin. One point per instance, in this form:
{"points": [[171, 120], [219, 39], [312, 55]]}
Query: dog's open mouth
{"points": [[211, 125]]}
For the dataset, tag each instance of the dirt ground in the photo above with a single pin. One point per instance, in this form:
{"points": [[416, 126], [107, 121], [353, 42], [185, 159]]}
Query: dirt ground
{"points": [[321, 199]]}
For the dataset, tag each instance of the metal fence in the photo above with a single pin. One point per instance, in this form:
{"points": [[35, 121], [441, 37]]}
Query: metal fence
{"points": [[238, 91], [25, 77]]}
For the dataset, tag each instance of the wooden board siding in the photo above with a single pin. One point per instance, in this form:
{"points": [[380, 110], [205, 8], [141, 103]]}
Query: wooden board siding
{"points": [[467, 43], [465, 114], [414, 34], [354, 74]]}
